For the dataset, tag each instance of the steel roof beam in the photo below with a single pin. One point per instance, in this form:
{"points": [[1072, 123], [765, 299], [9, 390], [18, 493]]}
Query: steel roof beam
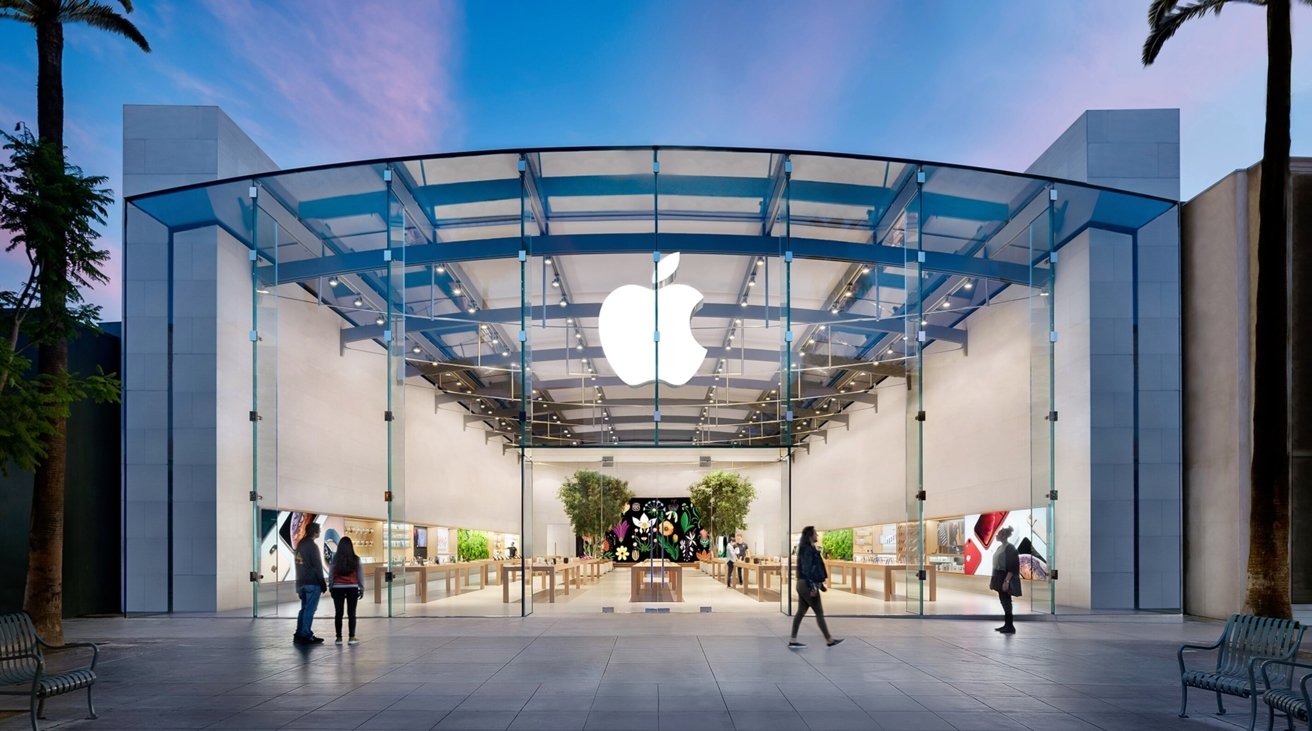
{"points": [[746, 245]]}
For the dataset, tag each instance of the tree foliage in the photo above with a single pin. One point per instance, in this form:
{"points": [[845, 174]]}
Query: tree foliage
{"points": [[48, 208], [593, 502], [723, 499], [471, 545], [837, 544]]}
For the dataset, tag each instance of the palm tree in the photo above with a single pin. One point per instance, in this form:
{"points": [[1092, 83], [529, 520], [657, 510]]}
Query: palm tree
{"points": [[1268, 591], [43, 595]]}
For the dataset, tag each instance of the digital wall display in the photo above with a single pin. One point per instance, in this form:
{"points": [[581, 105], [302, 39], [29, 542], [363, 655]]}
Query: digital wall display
{"points": [[659, 528], [1029, 536]]}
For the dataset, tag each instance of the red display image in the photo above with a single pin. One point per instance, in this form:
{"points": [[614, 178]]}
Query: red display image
{"points": [[972, 559], [987, 526]]}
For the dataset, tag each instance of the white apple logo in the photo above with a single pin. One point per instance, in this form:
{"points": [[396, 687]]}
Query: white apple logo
{"points": [[628, 321]]}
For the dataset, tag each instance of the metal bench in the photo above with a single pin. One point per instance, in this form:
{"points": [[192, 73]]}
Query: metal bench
{"points": [[1245, 642], [1293, 703], [22, 663]]}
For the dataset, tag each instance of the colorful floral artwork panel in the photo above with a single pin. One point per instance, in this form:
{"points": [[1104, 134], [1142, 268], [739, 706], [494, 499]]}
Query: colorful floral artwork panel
{"points": [[657, 528]]}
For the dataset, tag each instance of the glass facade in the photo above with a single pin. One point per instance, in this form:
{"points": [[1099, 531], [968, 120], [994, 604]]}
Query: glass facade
{"points": [[433, 346]]}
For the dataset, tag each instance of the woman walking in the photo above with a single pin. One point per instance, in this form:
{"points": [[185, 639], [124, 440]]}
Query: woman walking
{"points": [[347, 586], [1006, 577], [811, 575]]}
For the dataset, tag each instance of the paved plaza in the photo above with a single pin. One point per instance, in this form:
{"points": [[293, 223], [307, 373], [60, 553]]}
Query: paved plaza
{"points": [[636, 672]]}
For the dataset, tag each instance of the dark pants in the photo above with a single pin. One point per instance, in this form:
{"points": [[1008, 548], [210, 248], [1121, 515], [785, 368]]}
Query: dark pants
{"points": [[349, 597], [729, 575], [806, 601], [1005, 598]]}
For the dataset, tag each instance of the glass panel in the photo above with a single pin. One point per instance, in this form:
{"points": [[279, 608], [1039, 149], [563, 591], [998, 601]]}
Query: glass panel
{"points": [[911, 534], [275, 592], [1038, 562], [399, 533]]}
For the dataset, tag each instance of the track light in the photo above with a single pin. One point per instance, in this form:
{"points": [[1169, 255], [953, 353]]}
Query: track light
{"points": [[743, 303], [555, 282], [456, 290], [332, 281], [564, 302], [357, 302], [472, 308], [865, 269], [441, 269], [751, 282], [968, 285], [505, 353], [379, 320], [416, 350]]}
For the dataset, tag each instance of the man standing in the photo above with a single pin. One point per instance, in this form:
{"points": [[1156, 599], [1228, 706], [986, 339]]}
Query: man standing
{"points": [[734, 552], [310, 585]]}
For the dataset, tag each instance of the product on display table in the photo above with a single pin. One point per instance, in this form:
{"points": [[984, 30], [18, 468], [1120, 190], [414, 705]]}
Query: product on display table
{"points": [[649, 580]]}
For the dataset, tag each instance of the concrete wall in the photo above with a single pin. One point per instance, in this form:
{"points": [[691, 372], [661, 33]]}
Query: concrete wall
{"points": [[1135, 361], [1218, 259], [1220, 228], [170, 305]]}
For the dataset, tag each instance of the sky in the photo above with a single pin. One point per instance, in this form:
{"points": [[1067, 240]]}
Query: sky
{"points": [[980, 83]]}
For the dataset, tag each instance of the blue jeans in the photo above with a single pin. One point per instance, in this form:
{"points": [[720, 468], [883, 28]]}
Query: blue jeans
{"points": [[309, 605]]}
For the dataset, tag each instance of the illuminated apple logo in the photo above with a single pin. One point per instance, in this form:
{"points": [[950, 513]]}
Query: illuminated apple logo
{"points": [[628, 321]]}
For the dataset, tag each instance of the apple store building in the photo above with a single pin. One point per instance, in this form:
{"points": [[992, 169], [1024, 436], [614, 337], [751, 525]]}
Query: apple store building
{"points": [[623, 380]]}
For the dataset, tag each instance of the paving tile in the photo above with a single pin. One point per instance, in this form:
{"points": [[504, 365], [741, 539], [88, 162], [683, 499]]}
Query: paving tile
{"points": [[856, 720], [550, 721], [910, 721], [766, 720], [477, 720]]}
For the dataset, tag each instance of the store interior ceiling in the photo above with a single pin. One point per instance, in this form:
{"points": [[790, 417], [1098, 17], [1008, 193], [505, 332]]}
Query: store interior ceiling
{"points": [[453, 228]]}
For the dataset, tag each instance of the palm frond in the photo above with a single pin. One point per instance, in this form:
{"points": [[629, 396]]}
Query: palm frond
{"points": [[104, 18], [1170, 16]]}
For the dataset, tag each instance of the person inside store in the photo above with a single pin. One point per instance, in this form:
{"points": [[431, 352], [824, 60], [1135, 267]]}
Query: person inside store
{"points": [[513, 551], [1006, 577], [811, 575], [347, 587], [735, 552], [310, 585]]}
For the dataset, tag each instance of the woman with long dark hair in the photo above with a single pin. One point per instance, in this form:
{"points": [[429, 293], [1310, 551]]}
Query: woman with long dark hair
{"points": [[347, 586], [811, 575]]}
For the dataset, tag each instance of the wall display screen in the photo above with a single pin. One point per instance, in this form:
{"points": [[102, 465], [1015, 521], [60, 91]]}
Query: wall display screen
{"points": [[658, 528], [1030, 532], [283, 530]]}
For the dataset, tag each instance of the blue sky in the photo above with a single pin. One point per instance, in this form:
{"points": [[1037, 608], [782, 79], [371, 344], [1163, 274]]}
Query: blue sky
{"points": [[983, 83]]}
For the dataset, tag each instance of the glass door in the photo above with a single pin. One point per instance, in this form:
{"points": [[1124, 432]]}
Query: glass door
{"points": [[911, 533]]}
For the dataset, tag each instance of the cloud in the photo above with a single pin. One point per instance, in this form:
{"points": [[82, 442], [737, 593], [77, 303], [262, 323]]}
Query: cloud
{"points": [[359, 79]]}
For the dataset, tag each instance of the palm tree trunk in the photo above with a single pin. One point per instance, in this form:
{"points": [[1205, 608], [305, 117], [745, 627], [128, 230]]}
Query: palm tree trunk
{"points": [[50, 82], [43, 595], [1268, 529]]}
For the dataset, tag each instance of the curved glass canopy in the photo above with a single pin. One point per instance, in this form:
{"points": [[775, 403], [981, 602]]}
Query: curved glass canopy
{"points": [[485, 273]]}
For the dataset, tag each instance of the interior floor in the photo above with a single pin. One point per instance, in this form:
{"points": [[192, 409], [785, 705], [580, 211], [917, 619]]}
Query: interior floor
{"points": [[956, 596]]}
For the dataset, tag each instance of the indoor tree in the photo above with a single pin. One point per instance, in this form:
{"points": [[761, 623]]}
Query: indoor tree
{"points": [[1268, 591], [723, 499], [49, 209], [837, 544], [44, 575], [593, 502], [471, 545]]}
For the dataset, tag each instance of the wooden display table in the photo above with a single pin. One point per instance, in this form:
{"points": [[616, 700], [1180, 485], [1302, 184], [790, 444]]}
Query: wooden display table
{"points": [[714, 567], [548, 572], [595, 568], [857, 571], [650, 577], [760, 573]]}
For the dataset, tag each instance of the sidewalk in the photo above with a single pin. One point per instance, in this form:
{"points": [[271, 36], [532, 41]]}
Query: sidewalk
{"points": [[637, 672]]}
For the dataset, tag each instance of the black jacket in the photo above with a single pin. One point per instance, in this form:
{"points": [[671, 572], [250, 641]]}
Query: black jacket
{"points": [[809, 565], [309, 564]]}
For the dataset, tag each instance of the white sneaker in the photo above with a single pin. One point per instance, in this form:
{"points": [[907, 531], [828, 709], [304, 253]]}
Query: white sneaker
{"points": [[352, 641]]}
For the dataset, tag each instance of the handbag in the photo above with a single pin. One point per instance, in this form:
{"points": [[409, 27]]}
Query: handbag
{"points": [[1014, 587]]}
